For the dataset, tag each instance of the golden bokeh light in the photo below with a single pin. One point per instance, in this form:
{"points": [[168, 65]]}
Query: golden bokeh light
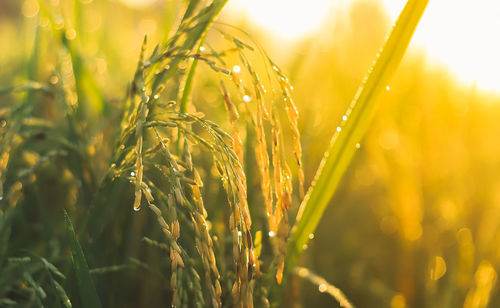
{"points": [[455, 35], [460, 35], [284, 18], [138, 3]]}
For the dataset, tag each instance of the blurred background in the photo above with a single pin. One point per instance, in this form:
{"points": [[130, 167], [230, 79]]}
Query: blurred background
{"points": [[416, 220]]}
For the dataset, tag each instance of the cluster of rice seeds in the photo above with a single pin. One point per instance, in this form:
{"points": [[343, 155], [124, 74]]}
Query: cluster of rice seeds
{"points": [[257, 121], [181, 262], [283, 190], [262, 158], [203, 239], [228, 153], [233, 116], [282, 175], [170, 230], [242, 290], [277, 218], [172, 233], [175, 256], [261, 154], [233, 178], [204, 244], [198, 214], [293, 117], [140, 119], [139, 116], [281, 185], [175, 197]]}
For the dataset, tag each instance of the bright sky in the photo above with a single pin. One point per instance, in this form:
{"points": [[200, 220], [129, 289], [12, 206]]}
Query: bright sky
{"points": [[462, 35]]}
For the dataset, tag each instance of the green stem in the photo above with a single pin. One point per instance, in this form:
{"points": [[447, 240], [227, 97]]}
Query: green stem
{"points": [[188, 85]]}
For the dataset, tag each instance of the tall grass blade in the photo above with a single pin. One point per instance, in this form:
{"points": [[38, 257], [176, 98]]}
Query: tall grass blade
{"points": [[88, 293], [355, 123]]}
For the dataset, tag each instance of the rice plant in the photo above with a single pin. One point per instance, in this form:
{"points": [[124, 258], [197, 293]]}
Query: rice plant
{"points": [[143, 200]]}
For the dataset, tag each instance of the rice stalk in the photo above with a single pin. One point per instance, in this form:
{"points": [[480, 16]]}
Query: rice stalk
{"points": [[281, 185]]}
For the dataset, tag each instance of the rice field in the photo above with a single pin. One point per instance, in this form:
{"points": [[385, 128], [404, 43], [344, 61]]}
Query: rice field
{"points": [[168, 154]]}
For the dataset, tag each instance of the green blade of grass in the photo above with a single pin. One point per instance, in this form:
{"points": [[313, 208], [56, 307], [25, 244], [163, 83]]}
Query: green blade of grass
{"points": [[195, 35], [86, 288], [356, 121]]}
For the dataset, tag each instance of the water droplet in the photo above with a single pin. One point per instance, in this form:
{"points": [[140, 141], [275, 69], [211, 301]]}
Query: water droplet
{"points": [[339, 128], [53, 79], [387, 88], [239, 233], [291, 87], [236, 69], [70, 34], [174, 169], [275, 68], [344, 117], [247, 98], [303, 272], [268, 214], [271, 234], [137, 209], [1, 198], [202, 48], [322, 288], [156, 96], [132, 173], [358, 145], [311, 236]]}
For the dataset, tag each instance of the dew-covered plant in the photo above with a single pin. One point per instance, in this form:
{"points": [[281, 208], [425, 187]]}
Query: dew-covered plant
{"points": [[154, 149]]}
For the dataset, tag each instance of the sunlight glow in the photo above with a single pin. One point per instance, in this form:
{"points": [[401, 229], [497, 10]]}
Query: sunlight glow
{"points": [[461, 35], [138, 3], [287, 19]]}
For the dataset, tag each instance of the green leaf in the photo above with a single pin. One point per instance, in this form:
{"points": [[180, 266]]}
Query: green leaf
{"points": [[194, 36], [355, 123], [88, 293]]}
